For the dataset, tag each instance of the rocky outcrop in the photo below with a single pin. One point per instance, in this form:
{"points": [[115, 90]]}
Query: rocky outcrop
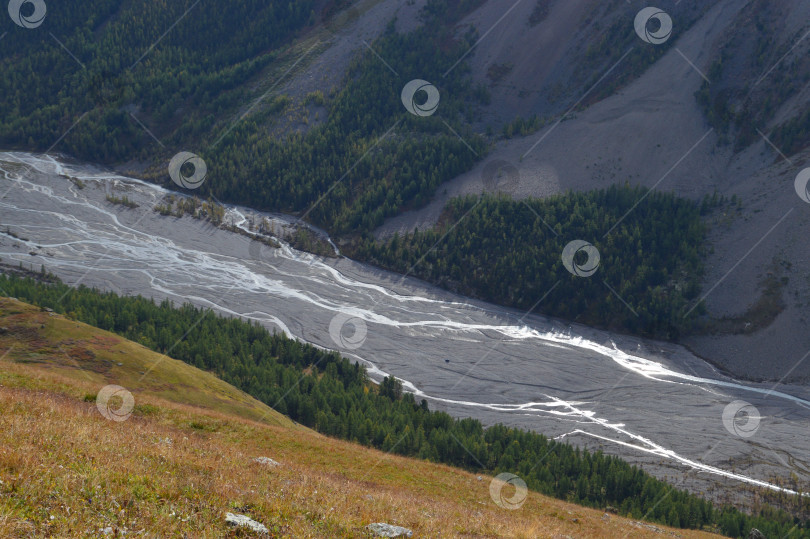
{"points": [[267, 461], [388, 530], [245, 521]]}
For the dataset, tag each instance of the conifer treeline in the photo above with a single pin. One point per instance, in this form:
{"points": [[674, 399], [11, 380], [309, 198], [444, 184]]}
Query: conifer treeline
{"points": [[510, 252], [362, 158], [334, 397]]}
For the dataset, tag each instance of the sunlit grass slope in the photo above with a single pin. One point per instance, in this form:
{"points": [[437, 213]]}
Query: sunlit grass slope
{"points": [[185, 457]]}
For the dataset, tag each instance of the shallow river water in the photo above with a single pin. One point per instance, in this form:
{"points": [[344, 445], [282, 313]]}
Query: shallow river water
{"points": [[655, 404]]}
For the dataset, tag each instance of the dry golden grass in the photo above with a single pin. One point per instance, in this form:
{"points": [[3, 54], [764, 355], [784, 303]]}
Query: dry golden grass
{"points": [[175, 469], [79, 352]]}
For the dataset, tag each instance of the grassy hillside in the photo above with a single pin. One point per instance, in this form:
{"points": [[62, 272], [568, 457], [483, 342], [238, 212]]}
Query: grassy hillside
{"points": [[185, 457], [326, 392], [58, 348]]}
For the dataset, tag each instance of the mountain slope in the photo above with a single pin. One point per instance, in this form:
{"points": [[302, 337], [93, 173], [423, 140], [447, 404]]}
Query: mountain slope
{"points": [[720, 107], [741, 132], [55, 347], [177, 466]]}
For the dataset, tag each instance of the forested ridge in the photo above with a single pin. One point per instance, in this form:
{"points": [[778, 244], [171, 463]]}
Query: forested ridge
{"points": [[509, 252], [363, 158], [99, 71], [370, 158], [327, 392], [366, 160], [116, 60]]}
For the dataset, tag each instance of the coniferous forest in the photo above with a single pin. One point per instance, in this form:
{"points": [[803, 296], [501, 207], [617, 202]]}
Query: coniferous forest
{"points": [[362, 148], [187, 77], [509, 252], [110, 82], [406, 157], [362, 157], [336, 398]]}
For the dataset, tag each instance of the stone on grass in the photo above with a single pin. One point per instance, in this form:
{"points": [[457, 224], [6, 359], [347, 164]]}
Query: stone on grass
{"points": [[389, 530], [247, 522], [266, 460]]}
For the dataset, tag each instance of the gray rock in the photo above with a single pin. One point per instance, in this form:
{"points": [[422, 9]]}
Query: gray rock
{"points": [[247, 522], [266, 460], [756, 534], [638, 524], [389, 530]]}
